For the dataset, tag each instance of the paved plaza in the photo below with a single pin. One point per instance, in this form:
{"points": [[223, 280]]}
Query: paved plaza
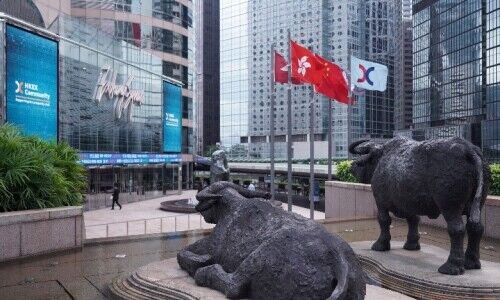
{"points": [[146, 217], [86, 274]]}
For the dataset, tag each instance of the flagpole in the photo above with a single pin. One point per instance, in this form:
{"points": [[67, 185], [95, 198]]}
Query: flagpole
{"points": [[349, 109], [272, 133], [330, 140], [311, 153], [289, 128]]}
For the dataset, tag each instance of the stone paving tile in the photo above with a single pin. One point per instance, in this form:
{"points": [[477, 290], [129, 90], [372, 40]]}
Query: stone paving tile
{"points": [[145, 217], [83, 289], [35, 291]]}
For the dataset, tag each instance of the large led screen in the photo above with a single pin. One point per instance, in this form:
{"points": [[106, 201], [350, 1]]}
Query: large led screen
{"points": [[172, 118], [32, 83]]}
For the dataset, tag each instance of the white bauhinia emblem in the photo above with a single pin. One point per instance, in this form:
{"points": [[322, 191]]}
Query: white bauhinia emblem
{"points": [[303, 65]]}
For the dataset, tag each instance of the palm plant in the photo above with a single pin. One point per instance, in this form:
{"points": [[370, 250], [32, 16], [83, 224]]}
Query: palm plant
{"points": [[36, 174]]}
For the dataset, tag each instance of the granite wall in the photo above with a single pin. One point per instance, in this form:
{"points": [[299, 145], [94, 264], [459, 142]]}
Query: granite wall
{"points": [[34, 232], [352, 201]]}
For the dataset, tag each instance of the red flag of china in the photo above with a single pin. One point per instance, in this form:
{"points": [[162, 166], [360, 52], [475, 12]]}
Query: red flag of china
{"points": [[334, 83], [281, 70], [305, 67]]}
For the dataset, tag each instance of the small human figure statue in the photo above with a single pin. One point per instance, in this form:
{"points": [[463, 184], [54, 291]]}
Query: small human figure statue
{"points": [[219, 168]]}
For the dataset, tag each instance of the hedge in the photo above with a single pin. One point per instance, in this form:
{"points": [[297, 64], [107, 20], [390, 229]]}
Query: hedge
{"points": [[495, 179], [344, 171]]}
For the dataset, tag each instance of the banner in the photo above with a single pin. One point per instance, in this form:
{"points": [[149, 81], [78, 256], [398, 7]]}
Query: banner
{"points": [[32, 81], [120, 158], [368, 75], [172, 118]]}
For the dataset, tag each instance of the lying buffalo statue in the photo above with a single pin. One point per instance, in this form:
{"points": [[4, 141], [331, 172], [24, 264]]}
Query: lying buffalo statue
{"points": [[262, 252], [412, 179]]}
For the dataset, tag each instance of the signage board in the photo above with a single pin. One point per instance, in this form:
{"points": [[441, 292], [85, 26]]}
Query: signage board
{"points": [[123, 95], [124, 159], [172, 118], [32, 83]]}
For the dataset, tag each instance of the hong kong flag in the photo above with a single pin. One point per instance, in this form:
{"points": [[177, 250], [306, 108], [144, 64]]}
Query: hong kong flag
{"points": [[334, 82], [281, 70], [305, 67]]}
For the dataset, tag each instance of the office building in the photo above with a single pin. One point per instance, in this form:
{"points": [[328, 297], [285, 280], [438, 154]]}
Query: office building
{"points": [[104, 95], [334, 29], [234, 88], [383, 21], [207, 74], [403, 102], [163, 28], [455, 71]]}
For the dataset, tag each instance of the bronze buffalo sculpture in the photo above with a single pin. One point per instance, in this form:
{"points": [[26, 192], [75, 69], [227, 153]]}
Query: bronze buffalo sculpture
{"points": [[430, 178], [262, 252]]}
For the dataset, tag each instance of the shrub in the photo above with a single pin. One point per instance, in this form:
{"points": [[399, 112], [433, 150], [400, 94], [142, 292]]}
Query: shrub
{"points": [[495, 179], [344, 171], [35, 174]]}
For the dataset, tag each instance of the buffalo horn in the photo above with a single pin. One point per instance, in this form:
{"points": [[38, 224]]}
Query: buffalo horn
{"points": [[353, 146]]}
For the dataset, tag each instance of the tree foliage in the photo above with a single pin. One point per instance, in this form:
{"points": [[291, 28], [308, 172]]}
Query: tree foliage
{"points": [[344, 171], [495, 179], [35, 174]]}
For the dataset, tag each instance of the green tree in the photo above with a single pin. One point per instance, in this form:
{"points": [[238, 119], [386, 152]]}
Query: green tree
{"points": [[344, 171], [495, 179]]}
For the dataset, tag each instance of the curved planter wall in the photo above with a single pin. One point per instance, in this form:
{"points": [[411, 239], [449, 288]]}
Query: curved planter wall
{"points": [[34, 232], [353, 201]]}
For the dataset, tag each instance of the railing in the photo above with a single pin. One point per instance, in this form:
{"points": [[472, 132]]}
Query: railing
{"points": [[171, 224]]}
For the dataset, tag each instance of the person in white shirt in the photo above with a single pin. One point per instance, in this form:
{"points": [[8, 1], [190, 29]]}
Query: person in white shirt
{"points": [[251, 187]]}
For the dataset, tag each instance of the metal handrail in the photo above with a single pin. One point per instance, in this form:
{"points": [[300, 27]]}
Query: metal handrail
{"points": [[138, 220], [144, 224]]}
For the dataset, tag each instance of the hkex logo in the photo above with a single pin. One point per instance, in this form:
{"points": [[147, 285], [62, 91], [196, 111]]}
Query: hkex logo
{"points": [[20, 87], [366, 74]]}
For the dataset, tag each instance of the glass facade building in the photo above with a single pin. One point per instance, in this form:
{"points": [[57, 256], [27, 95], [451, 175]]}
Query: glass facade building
{"points": [[455, 70], [207, 75], [403, 105], [127, 150], [163, 28], [234, 88], [334, 29]]}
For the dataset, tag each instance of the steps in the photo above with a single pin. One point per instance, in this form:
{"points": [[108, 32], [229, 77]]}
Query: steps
{"points": [[414, 273]]}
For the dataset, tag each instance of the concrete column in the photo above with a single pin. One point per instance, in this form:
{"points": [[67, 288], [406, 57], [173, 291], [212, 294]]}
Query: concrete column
{"points": [[179, 180]]}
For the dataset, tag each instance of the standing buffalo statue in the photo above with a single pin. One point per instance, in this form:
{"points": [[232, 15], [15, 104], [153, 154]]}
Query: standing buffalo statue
{"points": [[262, 252], [412, 179]]}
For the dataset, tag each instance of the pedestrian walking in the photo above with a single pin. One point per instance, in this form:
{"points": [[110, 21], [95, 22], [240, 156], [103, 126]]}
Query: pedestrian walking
{"points": [[116, 196]]}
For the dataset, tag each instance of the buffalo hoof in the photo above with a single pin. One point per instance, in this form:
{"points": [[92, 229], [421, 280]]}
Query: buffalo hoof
{"points": [[202, 276], [381, 246], [412, 246], [451, 269], [472, 264]]}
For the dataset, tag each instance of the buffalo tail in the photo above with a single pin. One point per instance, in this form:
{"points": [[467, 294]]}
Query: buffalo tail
{"points": [[342, 287], [475, 209]]}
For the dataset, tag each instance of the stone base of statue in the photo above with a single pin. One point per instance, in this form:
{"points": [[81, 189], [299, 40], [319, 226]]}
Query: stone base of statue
{"points": [[414, 273], [180, 206], [165, 280]]}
